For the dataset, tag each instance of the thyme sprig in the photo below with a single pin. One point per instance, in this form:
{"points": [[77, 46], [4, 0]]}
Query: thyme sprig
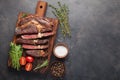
{"points": [[62, 14]]}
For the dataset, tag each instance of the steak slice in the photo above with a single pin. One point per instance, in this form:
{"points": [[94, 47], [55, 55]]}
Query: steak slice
{"points": [[36, 53], [31, 29], [32, 42], [25, 46], [39, 35], [25, 20], [40, 20], [44, 21]]}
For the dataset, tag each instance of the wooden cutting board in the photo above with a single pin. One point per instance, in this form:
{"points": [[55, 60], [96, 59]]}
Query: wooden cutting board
{"points": [[40, 11]]}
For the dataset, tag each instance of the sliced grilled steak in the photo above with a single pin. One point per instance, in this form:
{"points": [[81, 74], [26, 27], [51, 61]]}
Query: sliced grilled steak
{"points": [[32, 42], [31, 29], [39, 35], [25, 20], [25, 46], [44, 21], [36, 53], [34, 22], [40, 20]]}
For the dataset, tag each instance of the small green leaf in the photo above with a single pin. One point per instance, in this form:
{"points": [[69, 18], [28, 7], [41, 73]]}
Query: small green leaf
{"points": [[24, 15]]}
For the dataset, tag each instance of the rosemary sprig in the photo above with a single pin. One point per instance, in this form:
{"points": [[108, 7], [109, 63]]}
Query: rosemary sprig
{"points": [[15, 54], [44, 64], [62, 14]]}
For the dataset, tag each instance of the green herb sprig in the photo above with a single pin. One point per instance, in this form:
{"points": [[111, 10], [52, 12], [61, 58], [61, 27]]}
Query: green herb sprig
{"points": [[24, 15], [44, 64], [15, 54], [62, 14]]}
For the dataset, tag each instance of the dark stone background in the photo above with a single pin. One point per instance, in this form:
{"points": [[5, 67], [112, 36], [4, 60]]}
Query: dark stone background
{"points": [[94, 46]]}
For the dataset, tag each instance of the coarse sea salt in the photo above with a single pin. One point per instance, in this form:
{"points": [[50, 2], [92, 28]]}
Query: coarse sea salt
{"points": [[60, 51]]}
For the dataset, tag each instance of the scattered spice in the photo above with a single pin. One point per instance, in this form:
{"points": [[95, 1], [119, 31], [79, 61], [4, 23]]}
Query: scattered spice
{"points": [[15, 54], [44, 64], [62, 14], [57, 69]]}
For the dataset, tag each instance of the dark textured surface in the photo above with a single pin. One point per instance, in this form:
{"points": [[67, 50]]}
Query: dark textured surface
{"points": [[94, 46]]}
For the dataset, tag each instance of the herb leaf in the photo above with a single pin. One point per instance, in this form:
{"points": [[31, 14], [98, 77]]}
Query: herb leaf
{"points": [[44, 64], [15, 54], [24, 15]]}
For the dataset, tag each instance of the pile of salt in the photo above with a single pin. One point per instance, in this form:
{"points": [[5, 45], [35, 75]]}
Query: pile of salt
{"points": [[60, 51]]}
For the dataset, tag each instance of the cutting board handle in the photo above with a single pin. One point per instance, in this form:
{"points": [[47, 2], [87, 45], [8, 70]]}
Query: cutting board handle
{"points": [[41, 8]]}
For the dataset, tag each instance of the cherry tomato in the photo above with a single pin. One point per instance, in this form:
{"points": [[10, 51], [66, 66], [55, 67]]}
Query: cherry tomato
{"points": [[29, 59], [28, 67], [22, 61]]}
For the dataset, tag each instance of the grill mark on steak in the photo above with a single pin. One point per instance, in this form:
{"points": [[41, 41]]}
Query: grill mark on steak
{"points": [[39, 35], [25, 46], [36, 53], [31, 42], [46, 30]]}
